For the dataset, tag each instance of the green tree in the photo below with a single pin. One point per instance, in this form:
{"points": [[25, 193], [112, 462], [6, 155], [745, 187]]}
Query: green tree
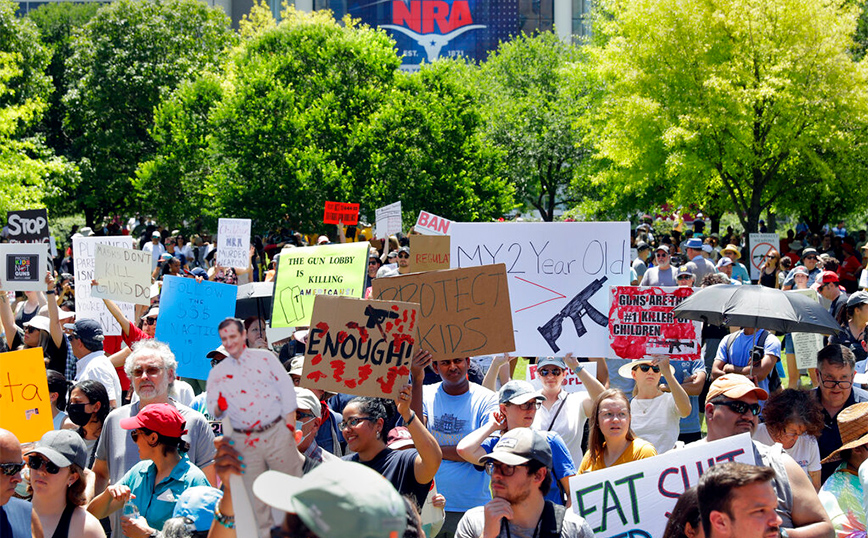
{"points": [[129, 57], [26, 79], [728, 96], [535, 100]]}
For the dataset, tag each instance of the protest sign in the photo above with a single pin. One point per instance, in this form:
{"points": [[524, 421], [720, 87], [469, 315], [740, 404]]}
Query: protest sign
{"points": [[571, 382], [634, 499], [304, 273], [124, 274], [760, 245], [25, 405], [86, 305], [24, 266], [388, 220], [189, 314], [339, 213], [360, 347], [556, 273], [641, 324], [233, 243], [462, 312], [429, 253], [28, 226], [431, 224], [806, 345]]}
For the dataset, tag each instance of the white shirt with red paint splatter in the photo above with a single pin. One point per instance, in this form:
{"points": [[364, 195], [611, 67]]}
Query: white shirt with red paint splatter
{"points": [[254, 390]]}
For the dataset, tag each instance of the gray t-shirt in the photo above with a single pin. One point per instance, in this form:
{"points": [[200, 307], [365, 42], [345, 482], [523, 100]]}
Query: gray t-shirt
{"points": [[640, 268], [473, 523], [116, 446], [659, 277]]}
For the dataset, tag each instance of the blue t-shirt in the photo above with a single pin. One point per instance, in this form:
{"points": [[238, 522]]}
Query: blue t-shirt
{"points": [[562, 462], [450, 418], [683, 370], [15, 518], [156, 502], [739, 272], [741, 348]]}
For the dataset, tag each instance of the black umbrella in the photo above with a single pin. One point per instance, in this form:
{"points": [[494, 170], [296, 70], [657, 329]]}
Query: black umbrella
{"points": [[254, 299], [758, 307]]}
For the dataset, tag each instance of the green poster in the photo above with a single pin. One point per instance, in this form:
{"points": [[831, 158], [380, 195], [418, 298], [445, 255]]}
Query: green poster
{"points": [[304, 273]]}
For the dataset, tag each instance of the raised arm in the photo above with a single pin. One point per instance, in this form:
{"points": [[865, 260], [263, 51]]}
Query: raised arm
{"points": [[429, 453], [495, 370], [116, 312], [682, 400], [421, 359], [54, 327], [592, 384], [7, 317], [470, 446]]}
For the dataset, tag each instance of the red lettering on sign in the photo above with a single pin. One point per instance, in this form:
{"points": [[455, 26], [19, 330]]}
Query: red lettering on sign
{"points": [[365, 372], [316, 376], [316, 359], [338, 366]]}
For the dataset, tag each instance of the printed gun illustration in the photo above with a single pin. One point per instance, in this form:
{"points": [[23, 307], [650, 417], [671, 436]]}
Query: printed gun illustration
{"points": [[376, 316], [673, 344], [575, 310]]}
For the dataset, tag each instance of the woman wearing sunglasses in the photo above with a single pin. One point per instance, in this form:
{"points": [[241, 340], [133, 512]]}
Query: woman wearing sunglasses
{"points": [[57, 482], [611, 441], [656, 414], [410, 471], [155, 483]]}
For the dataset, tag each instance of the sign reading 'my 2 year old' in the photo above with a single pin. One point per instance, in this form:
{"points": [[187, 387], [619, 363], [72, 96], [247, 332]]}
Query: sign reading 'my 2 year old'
{"points": [[558, 276], [641, 323]]}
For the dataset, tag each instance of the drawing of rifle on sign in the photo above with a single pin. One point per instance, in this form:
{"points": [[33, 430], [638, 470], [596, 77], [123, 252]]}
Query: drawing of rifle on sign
{"points": [[360, 347], [555, 271], [641, 324], [463, 312]]}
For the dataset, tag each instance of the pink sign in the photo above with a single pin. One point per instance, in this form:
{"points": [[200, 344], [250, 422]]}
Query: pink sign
{"points": [[641, 323]]}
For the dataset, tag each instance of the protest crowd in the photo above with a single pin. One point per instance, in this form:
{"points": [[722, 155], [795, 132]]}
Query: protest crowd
{"points": [[151, 434]]}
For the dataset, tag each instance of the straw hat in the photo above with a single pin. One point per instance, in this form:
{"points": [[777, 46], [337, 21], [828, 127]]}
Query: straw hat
{"points": [[626, 370], [853, 426], [731, 251]]}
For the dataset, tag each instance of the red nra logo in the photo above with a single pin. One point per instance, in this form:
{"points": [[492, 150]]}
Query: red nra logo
{"points": [[422, 16]]}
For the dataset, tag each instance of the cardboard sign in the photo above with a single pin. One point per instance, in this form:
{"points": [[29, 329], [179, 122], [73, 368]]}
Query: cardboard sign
{"points": [[88, 306], [25, 405], [24, 266], [124, 274], [558, 274], [760, 245], [304, 273], [189, 314], [634, 499], [431, 224], [233, 243], [389, 220], [463, 312], [28, 226], [429, 253], [360, 347], [806, 345], [641, 324], [571, 382], [339, 213]]}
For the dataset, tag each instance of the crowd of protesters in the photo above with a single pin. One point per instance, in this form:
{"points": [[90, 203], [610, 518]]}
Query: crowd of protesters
{"points": [[461, 451]]}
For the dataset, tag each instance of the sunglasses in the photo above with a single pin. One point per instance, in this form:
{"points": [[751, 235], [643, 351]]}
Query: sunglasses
{"points": [[403, 256], [545, 372], [11, 469], [810, 257], [135, 434], [740, 408], [151, 371], [685, 277], [662, 254], [30, 329], [36, 463], [502, 468], [150, 321], [373, 262], [527, 406], [646, 367]]}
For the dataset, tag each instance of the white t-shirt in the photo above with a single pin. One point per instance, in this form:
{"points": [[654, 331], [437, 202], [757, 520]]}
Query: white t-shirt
{"points": [[656, 420], [806, 451], [96, 366], [570, 423]]}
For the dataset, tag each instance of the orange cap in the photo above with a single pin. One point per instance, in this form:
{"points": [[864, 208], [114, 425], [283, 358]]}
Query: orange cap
{"points": [[734, 386]]}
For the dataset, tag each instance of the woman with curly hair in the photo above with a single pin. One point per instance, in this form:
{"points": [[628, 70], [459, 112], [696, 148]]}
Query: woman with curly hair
{"points": [[794, 418]]}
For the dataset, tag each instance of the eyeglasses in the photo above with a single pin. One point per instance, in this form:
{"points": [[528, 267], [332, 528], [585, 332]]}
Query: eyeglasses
{"points": [[502, 468], [527, 406], [36, 463], [151, 371], [545, 372], [304, 415], [646, 367], [150, 321], [353, 422], [740, 408], [830, 384], [11, 469], [403, 255], [791, 435]]}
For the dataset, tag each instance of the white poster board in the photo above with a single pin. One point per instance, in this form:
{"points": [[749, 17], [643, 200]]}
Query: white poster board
{"points": [[571, 382], [806, 345], [233, 243], [431, 224], [634, 499], [388, 220], [760, 245], [558, 275], [86, 305], [24, 266], [124, 274]]}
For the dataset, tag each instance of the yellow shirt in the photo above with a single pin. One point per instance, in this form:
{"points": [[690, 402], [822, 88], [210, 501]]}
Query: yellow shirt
{"points": [[638, 449]]}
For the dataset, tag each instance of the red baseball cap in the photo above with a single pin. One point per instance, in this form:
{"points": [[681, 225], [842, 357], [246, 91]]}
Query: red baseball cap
{"points": [[161, 418], [827, 276]]}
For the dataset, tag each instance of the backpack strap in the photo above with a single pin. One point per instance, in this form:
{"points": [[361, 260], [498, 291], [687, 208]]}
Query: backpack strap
{"points": [[552, 520]]}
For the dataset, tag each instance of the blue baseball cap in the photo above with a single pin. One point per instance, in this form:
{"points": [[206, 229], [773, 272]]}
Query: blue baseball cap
{"points": [[556, 361], [197, 504], [88, 330], [518, 392]]}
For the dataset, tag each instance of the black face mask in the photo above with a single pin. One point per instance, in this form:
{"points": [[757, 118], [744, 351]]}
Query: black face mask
{"points": [[77, 414]]}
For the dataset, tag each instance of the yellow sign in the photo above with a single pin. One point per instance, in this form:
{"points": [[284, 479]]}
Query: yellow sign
{"points": [[25, 405]]}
